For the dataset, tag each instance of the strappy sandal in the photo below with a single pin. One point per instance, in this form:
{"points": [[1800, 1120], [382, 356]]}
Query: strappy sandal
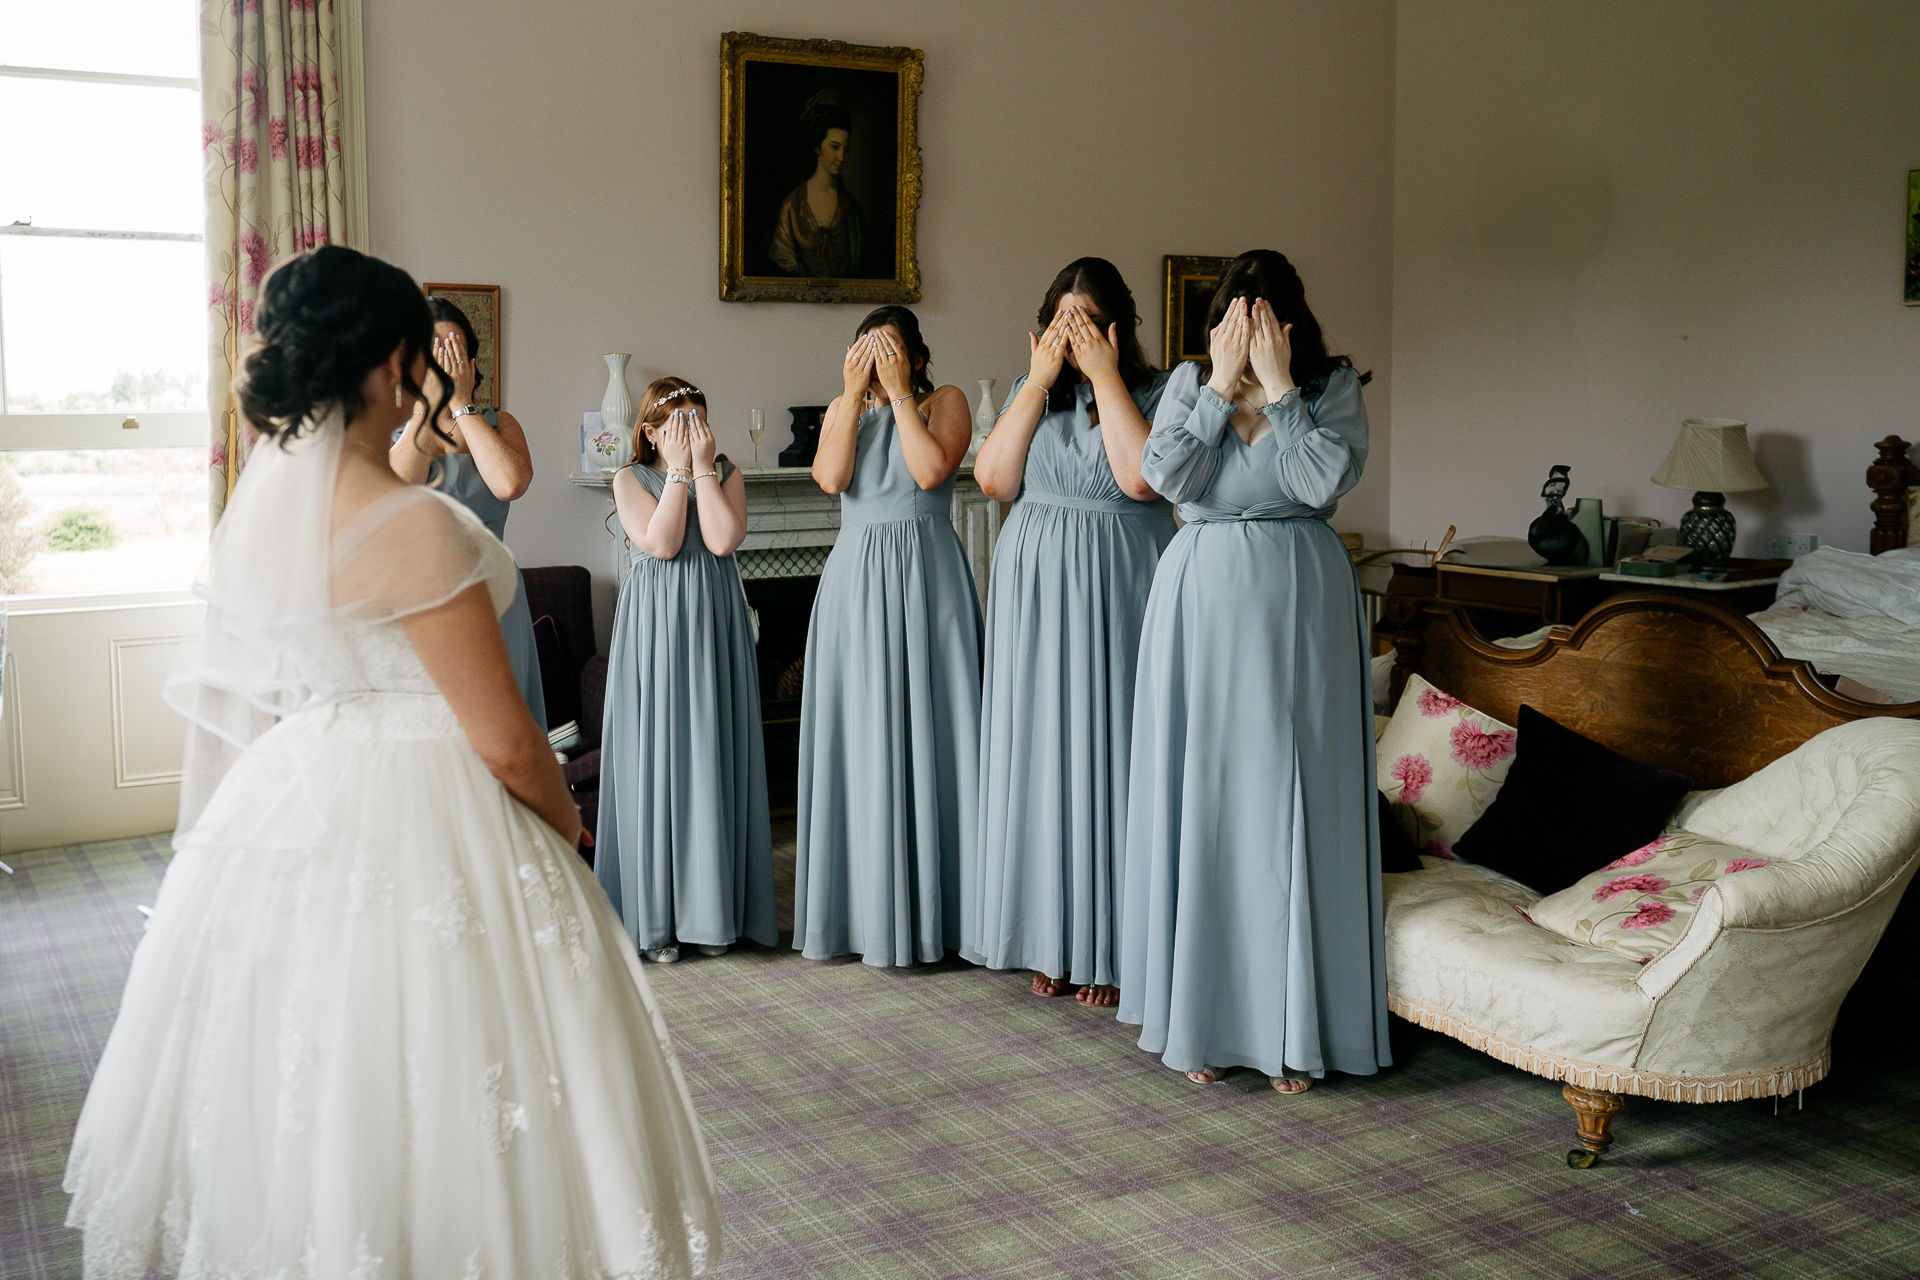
{"points": [[1208, 1075], [1300, 1079]]}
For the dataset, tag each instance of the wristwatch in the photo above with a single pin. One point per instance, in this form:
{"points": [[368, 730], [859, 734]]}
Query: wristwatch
{"points": [[464, 410]]}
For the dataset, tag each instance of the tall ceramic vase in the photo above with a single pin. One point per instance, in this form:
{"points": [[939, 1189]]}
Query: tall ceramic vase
{"points": [[616, 406], [983, 418]]}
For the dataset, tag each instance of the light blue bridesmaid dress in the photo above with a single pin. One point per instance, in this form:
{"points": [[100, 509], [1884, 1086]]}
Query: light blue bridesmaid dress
{"points": [[455, 475], [1071, 575], [889, 721], [683, 847], [1251, 914]]}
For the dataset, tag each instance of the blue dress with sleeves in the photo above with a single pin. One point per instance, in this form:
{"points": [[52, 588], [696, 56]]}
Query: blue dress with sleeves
{"points": [[684, 848], [889, 721], [1071, 574], [1251, 926], [455, 475]]}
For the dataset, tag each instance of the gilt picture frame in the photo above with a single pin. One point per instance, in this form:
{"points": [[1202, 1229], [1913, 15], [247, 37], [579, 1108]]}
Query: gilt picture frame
{"points": [[1190, 285], [820, 170], [481, 303], [1912, 285]]}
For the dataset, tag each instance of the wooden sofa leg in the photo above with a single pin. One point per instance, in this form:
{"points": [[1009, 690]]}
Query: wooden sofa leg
{"points": [[1595, 1110]]}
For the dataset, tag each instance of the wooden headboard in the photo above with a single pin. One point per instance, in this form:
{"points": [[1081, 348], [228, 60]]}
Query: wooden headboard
{"points": [[1895, 482], [1661, 679]]}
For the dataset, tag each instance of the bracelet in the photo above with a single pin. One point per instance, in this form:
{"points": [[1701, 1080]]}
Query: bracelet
{"points": [[675, 477], [1041, 387], [702, 475], [464, 410], [895, 402]]}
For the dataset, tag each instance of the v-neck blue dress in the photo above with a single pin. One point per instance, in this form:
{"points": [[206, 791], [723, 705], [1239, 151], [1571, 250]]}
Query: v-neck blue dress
{"points": [[1251, 931], [1071, 574], [684, 848], [455, 475], [889, 721]]}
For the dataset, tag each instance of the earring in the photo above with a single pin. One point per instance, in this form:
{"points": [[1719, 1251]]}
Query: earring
{"points": [[397, 403]]}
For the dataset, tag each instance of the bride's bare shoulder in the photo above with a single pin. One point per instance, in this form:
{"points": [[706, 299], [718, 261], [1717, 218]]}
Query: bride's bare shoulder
{"points": [[360, 485]]}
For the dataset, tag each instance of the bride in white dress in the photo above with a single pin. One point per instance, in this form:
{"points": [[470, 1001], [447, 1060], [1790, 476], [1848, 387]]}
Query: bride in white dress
{"points": [[383, 1023]]}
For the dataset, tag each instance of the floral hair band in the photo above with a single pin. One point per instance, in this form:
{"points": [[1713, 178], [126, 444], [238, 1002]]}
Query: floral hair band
{"points": [[675, 395]]}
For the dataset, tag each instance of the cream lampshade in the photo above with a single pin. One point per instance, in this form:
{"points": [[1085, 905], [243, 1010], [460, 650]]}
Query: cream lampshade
{"points": [[1711, 456]]}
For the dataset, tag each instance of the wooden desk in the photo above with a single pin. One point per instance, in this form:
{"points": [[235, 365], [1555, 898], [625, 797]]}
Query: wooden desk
{"points": [[1531, 598]]}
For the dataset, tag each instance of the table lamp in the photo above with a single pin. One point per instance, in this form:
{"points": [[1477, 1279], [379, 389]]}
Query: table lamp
{"points": [[1711, 457]]}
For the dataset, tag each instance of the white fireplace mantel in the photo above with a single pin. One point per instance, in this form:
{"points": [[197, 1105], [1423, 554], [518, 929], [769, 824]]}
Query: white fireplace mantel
{"points": [[787, 511]]}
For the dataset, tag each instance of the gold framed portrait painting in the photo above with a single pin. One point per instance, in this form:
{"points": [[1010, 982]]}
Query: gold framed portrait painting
{"points": [[819, 170], [1191, 282], [481, 303]]}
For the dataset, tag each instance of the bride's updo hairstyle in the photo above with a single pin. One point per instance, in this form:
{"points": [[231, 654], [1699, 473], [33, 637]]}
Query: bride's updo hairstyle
{"points": [[1263, 273], [662, 397], [326, 319]]}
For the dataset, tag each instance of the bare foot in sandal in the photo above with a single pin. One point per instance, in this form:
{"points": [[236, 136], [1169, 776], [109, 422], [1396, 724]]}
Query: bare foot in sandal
{"points": [[1045, 986], [1208, 1075], [1098, 993], [1292, 1082]]}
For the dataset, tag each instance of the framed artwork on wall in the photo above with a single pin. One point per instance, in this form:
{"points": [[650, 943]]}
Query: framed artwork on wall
{"points": [[1190, 285], [481, 303], [819, 170], [1913, 238]]}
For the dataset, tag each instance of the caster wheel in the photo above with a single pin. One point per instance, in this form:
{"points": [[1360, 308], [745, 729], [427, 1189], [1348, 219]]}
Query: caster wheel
{"points": [[1581, 1158]]}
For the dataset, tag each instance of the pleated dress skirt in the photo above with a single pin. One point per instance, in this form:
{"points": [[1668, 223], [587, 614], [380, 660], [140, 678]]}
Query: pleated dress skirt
{"points": [[1252, 910], [1070, 584], [889, 743]]}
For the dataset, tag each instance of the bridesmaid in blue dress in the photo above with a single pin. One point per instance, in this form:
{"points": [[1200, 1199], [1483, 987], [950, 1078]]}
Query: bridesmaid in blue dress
{"points": [[1070, 580], [890, 710], [1251, 930], [483, 470], [683, 847]]}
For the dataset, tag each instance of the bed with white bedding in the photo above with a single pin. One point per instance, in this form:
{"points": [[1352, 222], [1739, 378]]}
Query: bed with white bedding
{"points": [[1853, 616]]}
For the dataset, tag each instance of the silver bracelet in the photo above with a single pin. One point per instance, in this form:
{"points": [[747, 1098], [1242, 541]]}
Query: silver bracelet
{"points": [[675, 477], [895, 402], [464, 410]]}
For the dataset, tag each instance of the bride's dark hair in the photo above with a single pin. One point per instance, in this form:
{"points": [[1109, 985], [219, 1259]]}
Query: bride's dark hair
{"points": [[326, 319]]}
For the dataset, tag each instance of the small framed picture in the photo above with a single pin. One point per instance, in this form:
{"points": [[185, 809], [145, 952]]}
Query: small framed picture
{"points": [[819, 170], [481, 303], [1191, 282], [1913, 238]]}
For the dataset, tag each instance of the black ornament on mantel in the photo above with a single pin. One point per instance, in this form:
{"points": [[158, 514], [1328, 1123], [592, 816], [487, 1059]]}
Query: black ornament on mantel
{"points": [[806, 435], [1552, 535]]}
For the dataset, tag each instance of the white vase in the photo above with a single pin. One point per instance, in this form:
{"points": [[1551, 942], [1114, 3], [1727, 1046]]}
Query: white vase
{"points": [[982, 418], [616, 406]]}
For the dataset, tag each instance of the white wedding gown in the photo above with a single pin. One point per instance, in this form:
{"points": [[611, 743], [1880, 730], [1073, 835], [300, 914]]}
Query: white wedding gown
{"points": [[384, 1023]]}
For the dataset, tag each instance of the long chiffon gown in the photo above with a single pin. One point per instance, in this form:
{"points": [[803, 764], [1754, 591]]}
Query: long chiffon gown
{"points": [[455, 475], [1071, 574], [889, 721], [1252, 909], [683, 848], [382, 1022]]}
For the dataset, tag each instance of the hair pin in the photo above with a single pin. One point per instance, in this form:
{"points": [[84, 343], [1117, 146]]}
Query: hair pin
{"points": [[676, 395]]}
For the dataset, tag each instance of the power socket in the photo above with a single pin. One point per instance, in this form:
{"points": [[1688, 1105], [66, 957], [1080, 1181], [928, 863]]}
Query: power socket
{"points": [[1791, 546]]}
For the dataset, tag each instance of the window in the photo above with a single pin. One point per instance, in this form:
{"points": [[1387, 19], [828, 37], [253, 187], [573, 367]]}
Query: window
{"points": [[103, 361]]}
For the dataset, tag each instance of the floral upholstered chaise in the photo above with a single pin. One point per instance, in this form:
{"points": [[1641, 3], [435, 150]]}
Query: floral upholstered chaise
{"points": [[1708, 966]]}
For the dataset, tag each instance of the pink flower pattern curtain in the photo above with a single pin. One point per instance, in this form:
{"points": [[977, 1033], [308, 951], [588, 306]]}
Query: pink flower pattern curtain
{"points": [[270, 85]]}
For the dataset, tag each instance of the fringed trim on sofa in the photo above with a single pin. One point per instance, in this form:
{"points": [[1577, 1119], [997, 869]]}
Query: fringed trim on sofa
{"points": [[1612, 1079]]}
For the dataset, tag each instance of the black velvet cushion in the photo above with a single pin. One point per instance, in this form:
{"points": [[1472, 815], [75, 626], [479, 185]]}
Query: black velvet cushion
{"points": [[1569, 806], [1396, 851]]}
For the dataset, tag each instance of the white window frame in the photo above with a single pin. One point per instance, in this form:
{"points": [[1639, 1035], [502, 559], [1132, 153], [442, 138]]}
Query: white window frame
{"points": [[160, 430]]}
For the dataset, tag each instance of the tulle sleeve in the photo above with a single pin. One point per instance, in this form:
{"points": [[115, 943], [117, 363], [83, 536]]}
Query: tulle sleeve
{"points": [[414, 550]]}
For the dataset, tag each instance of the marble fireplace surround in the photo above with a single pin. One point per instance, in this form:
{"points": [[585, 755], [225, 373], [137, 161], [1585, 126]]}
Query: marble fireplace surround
{"points": [[791, 524]]}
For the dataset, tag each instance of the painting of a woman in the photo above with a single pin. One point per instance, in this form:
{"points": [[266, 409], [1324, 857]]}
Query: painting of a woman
{"points": [[820, 230]]}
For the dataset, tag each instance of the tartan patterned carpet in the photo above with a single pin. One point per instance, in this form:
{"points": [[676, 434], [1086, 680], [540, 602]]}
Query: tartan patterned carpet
{"points": [[944, 1123]]}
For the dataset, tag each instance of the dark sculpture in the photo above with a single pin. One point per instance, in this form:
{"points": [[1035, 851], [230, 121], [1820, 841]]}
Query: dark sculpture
{"points": [[807, 420], [1552, 535]]}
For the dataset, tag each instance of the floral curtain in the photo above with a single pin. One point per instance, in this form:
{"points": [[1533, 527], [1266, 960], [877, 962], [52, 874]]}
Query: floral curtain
{"points": [[270, 89]]}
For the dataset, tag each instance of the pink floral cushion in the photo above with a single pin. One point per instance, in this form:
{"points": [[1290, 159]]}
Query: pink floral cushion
{"points": [[1640, 904], [1441, 764]]}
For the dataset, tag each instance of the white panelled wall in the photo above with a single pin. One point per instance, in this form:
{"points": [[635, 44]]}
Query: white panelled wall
{"points": [[88, 748]]}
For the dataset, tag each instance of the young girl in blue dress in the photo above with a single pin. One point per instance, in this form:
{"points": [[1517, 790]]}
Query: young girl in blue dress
{"points": [[683, 847]]}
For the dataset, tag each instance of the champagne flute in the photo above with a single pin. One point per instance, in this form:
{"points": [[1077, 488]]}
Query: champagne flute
{"points": [[758, 431]]}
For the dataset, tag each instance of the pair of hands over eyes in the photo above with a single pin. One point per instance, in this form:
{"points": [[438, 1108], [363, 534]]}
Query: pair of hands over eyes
{"points": [[1251, 337], [685, 441], [1095, 353], [878, 355]]}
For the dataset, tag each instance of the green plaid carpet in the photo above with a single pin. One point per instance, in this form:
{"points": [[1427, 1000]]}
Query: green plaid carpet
{"points": [[944, 1123]]}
